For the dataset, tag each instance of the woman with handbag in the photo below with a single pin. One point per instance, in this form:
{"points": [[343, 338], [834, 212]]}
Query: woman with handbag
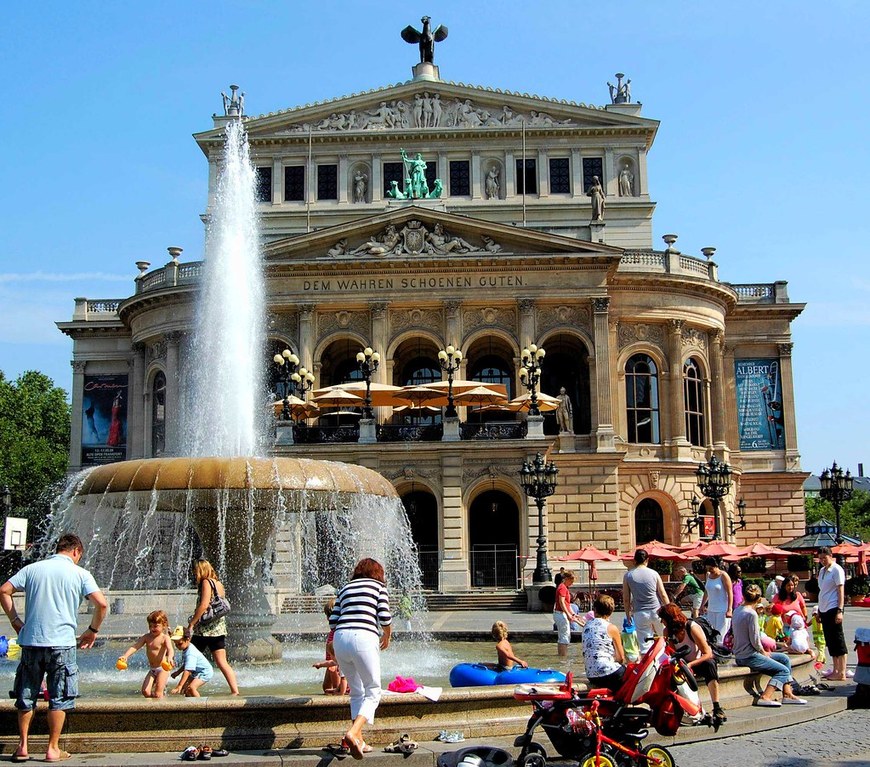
{"points": [[208, 623]]}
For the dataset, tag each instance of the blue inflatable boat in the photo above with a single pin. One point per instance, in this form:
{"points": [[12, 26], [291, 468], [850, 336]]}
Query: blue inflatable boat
{"points": [[484, 674]]}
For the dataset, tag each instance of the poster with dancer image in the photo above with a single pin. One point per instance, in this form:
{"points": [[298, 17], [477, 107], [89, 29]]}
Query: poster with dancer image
{"points": [[104, 419], [759, 404]]}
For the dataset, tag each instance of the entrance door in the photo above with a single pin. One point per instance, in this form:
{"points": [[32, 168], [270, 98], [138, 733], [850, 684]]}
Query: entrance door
{"points": [[422, 510], [649, 522], [494, 537]]}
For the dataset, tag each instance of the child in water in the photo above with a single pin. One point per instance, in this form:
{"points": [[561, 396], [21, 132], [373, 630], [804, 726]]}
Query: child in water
{"points": [[195, 670], [161, 654], [333, 681], [506, 657]]}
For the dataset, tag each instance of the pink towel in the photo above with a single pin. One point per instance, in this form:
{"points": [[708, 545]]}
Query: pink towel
{"points": [[403, 684]]}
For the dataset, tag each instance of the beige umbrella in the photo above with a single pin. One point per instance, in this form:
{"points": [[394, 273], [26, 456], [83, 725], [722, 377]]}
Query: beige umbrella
{"points": [[381, 394], [460, 385], [424, 409], [336, 397], [480, 395], [299, 408], [546, 403], [418, 395]]}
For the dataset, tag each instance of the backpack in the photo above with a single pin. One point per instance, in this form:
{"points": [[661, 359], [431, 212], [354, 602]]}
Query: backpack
{"points": [[721, 653]]}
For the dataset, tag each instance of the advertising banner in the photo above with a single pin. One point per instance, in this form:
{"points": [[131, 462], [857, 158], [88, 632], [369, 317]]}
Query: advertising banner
{"points": [[759, 404], [104, 419]]}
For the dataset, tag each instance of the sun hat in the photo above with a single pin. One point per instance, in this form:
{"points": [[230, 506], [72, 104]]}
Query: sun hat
{"points": [[777, 608], [180, 632]]}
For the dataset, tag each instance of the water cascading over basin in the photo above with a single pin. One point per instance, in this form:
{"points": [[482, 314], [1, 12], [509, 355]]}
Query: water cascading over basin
{"points": [[332, 514]]}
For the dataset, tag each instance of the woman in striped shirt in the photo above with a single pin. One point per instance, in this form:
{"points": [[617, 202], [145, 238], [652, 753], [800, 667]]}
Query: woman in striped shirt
{"points": [[362, 623]]}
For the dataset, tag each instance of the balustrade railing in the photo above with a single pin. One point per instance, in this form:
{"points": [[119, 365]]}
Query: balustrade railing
{"points": [[390, 432], [497, 430]]}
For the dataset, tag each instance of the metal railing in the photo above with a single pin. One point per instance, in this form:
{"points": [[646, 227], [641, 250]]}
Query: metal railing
{"points": [[430, 566], [495, 566], [390, 432], [497, 430], [308, 435]]}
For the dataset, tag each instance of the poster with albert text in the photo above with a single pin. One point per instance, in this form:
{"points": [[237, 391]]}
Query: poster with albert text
{"points": [[759, 404]]}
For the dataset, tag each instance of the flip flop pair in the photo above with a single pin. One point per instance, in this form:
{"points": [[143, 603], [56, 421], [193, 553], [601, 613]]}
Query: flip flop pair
{"points": [[402, 745], [61, 757]]}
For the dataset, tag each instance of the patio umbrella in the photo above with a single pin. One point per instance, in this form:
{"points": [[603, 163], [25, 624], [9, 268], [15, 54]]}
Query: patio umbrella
{"points": [[419, 395], [426, 409], [660, 552], [759, 550], [381, 394], [337, 398], [590, 555], [546, 403], [711, 549], [460, 385], [299, 408], [480, 395], [654, 544]]}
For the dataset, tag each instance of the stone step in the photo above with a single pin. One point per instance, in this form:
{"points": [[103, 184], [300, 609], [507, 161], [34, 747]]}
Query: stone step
{"points": [[464, 601]]}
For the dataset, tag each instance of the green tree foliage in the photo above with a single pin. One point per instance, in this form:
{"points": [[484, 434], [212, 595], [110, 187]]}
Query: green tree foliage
{"points": [[854, 515], [34, 440]]}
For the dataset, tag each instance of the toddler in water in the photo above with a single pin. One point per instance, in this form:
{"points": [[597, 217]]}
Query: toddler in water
{"points": [[195, 670], [333, 681], [161, 654], [506, 657]]}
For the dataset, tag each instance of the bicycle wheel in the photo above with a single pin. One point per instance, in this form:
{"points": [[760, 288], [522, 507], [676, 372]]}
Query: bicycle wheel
{"points": [[658, 756], [603, 760]]}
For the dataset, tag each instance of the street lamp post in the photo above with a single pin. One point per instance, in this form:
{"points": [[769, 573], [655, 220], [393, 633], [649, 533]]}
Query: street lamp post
{"points": [[733, 526], [530, 373], [837, 488], [449, 360], [695, 520], [538, 479], [368, 361], [714, 482], [295, 379]]}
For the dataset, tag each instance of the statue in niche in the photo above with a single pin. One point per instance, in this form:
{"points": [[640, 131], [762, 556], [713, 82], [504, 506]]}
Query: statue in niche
{"points": [[491, 186], [596, 192], [439, 242], [376, 247], [426, 38], [626, 182], [339, 249], [360, 186], [621, 92], [436, 110], [565, 412]]}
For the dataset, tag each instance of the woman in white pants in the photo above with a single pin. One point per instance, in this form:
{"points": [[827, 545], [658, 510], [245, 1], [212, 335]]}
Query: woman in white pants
{"points": [[718, 597], [362, 624]]}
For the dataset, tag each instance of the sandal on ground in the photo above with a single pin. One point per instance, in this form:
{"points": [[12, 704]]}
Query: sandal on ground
{"points": [[61, 757], [396, 746], [205, 753], [354, 745], [764, 703], [190, 754], [338, 750], [20, 757], [220, 752]]}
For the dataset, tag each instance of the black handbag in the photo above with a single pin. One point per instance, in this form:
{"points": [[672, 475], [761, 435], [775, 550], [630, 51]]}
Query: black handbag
{"points": [[217, 608]]}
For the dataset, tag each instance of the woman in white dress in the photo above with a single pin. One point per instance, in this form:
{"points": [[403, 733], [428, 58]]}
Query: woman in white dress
{"points": [[718, 597]]}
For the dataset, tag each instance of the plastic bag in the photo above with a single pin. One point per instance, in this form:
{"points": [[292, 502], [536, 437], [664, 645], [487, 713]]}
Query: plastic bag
{"points": [[629, 641]]}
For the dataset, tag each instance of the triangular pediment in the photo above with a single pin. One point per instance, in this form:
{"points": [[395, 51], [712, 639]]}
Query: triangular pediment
{"points": [[435, 106], [420, 233]]}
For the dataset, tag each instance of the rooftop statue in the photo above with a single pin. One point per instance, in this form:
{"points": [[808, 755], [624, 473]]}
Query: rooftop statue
{"points": [[234, 104], [621, 92], [427, 39]]}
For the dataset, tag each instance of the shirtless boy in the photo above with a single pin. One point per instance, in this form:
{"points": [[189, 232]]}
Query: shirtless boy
{"points": [[160, 652]]}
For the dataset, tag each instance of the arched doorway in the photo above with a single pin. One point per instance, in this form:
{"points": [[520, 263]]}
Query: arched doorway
{"points": [[567, 364], [422, 510], [649, 523], [490, 361], [494, 541]]}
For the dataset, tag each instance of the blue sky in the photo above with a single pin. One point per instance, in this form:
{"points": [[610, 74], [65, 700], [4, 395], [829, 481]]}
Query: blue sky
{"points": [[762, 151]]}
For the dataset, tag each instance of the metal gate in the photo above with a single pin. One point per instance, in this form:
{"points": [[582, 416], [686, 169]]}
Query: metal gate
{"points": [[494, 566]]}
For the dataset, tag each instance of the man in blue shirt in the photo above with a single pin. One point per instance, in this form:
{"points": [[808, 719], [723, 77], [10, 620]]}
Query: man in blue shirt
{"points": [[53, 589]]}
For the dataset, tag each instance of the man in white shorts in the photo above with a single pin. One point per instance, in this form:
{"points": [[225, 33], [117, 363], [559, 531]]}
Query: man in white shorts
{"points": [[643, 593]]}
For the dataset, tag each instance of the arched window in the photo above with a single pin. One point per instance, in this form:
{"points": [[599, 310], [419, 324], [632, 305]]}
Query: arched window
{"points": [[420, 371], [693, 387], [492, 369], [158, 414], [648, 522], [642, 399]]}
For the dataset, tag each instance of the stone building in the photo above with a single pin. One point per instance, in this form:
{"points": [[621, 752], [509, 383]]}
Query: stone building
{"points": [[665, 364]]}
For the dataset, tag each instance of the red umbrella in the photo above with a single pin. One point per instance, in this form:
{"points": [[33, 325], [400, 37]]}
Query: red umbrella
{"points": [[711, 549], [654, 544], [759, 550], [660, 552], [849, 549], [591, 555]]}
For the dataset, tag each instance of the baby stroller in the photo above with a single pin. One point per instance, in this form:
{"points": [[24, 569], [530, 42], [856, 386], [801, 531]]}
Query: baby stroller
{"points": [[600, 728]]}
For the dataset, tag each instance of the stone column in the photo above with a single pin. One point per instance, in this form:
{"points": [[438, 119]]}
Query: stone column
{"points": [[787, 397], [454, 545], [527, 321], [78, 388], [642, 186], [380, 336], [452, 324], [136, 420], [173, 400], [377, 188], [676, 397], [277, 181], [604, 403], [343, 182], [510, 175], [476, 188], [717, 342], [577, 189], [610, 182], [543, 174], [305, 337]]}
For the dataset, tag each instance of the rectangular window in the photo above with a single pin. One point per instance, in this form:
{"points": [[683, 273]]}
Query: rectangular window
{"points": [[560, 176], [264, 184], [460, 179], [527, 182], [394, 171], [327, 182], [431, 174], [294, 183], [592, 166]]}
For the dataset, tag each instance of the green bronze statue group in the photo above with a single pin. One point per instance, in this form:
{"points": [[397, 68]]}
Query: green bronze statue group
{"points": [[416, 186]]}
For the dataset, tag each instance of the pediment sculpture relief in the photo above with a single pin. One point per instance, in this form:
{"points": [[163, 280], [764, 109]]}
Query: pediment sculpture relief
{"points": [[428, 111], [414, 238]]}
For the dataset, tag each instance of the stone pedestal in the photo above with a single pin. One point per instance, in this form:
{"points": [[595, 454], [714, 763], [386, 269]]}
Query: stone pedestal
{"points": [[368, 434], [425, 71], [535, 427], [596, 231], [284, 433], [565, 442], [533, 601], [451, 430]]}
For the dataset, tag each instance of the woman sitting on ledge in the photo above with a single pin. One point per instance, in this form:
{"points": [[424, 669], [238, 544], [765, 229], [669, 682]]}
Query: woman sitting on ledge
{"points": [[749, 652]]}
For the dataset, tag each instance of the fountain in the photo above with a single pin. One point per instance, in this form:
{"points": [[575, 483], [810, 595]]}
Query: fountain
{"points": [[136, 516]]}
